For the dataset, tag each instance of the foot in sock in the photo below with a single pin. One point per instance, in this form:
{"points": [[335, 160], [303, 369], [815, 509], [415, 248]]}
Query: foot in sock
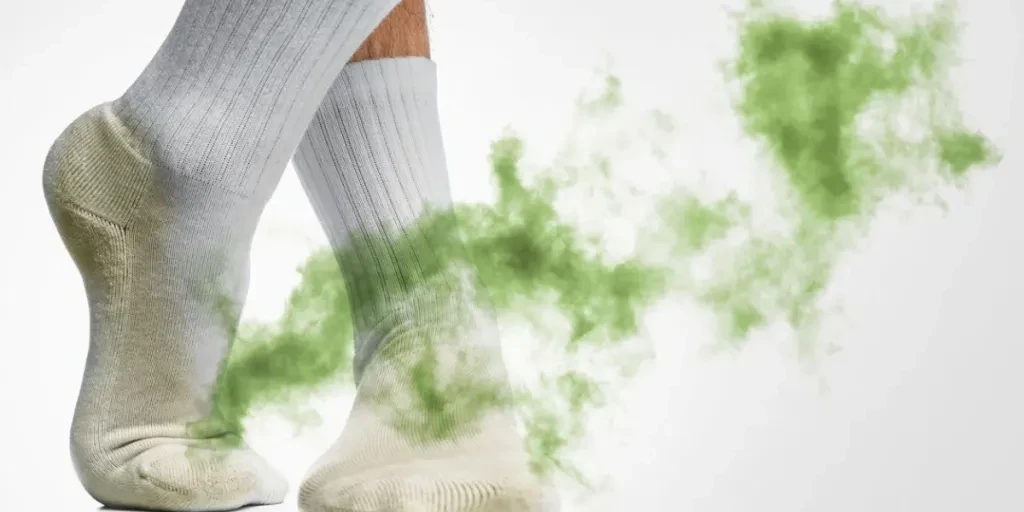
{"points": [[426, 433], [156, 196], [430, 430], [149, 249]]}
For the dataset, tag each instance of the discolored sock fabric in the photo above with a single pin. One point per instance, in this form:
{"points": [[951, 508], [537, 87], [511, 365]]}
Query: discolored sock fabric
{"points": [[431, 429], [156, 196]]}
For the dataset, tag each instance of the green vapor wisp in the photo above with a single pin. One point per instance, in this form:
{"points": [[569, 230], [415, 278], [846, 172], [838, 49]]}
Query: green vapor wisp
{"points": [[852, 110]]}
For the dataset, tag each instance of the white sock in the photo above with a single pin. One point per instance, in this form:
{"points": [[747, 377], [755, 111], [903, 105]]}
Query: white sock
{"points": [[372, 163], [156, 196]]}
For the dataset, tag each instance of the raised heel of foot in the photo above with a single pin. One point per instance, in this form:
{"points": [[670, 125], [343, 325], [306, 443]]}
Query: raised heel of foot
{"points": [[96, 165]]}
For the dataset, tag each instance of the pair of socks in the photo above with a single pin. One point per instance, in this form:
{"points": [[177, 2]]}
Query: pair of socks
{"points": [[157, 196]]}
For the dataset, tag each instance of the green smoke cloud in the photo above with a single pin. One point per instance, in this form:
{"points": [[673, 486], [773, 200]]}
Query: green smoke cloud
{"points": [[850, 112]]}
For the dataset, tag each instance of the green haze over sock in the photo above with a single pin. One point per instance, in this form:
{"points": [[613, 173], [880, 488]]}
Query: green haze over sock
{"points": [[850, 111]]}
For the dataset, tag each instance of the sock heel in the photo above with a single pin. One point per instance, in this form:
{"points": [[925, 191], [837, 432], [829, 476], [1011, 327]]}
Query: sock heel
{"points": [[95, 165]]}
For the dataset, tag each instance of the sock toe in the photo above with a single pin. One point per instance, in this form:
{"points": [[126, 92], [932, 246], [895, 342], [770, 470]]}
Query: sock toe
{"points": [[191, 479], [428, 486]]}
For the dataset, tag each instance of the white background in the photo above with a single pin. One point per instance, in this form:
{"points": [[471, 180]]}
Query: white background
{"points": [[923, 407]]}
